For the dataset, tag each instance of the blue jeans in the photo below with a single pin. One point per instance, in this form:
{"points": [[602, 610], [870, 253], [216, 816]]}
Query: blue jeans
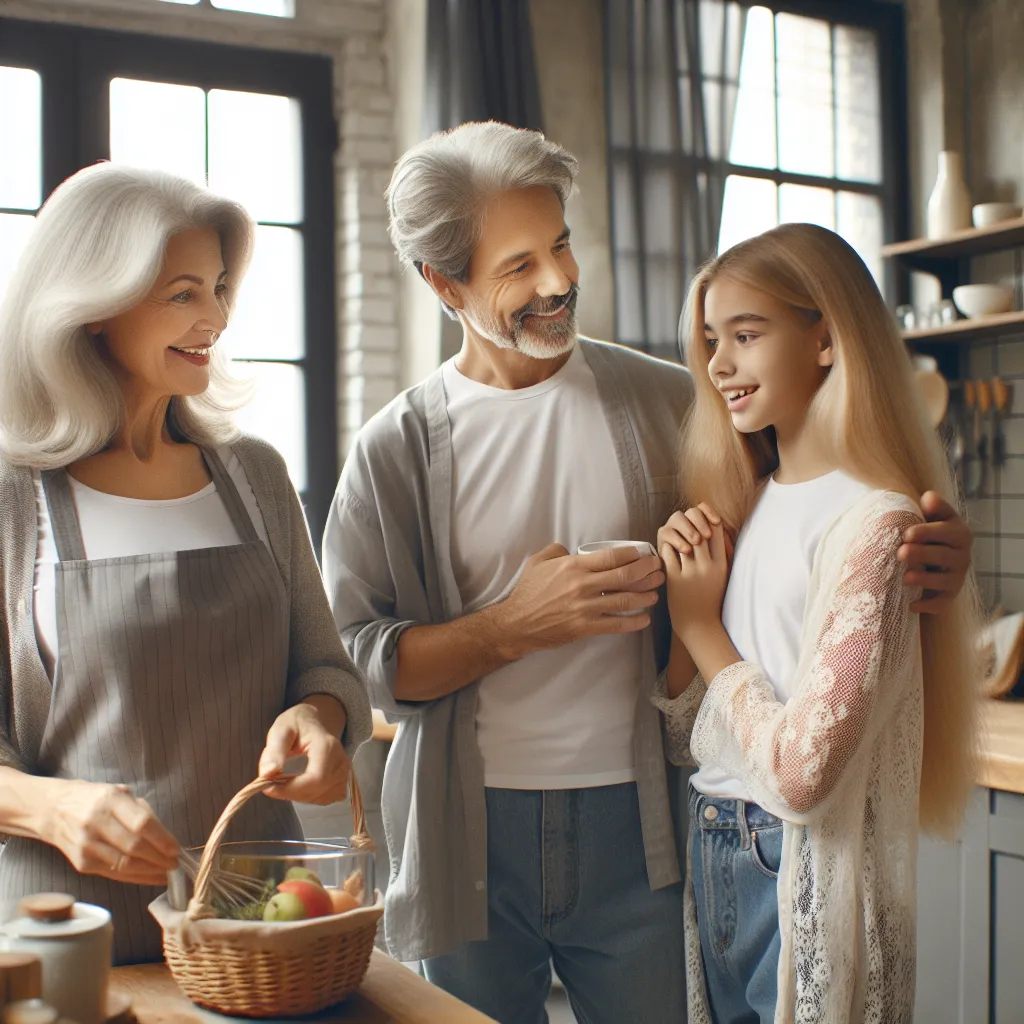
{"points": [[735, 851], [567, 882]]}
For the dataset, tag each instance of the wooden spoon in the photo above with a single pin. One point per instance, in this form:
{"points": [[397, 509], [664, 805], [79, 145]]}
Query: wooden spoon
{"points": [[1000, 403]]}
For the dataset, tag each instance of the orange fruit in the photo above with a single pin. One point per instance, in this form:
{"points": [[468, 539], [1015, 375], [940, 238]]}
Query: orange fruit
{"points": [[342, 901]]}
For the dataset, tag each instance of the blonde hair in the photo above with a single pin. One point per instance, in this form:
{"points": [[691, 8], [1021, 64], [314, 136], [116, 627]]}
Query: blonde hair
{"points": [[96, 251], [876, 429]]}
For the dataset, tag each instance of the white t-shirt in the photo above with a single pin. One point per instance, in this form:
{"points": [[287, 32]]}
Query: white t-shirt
{"points": [[764, 604], [113, 527], [534, 467]]}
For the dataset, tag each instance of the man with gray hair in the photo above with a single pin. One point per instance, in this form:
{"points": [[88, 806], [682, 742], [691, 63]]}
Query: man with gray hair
{"points": [[527, 802]]}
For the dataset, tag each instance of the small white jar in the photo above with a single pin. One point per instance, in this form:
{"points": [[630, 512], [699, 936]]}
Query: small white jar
{"points": [[74, 942]]}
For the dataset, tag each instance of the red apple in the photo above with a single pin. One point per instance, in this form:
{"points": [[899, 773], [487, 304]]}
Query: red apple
{"points": [[313, 896]]}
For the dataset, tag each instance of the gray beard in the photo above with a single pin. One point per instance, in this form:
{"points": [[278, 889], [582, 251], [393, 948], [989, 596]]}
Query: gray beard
{"points": [[542, 340]]}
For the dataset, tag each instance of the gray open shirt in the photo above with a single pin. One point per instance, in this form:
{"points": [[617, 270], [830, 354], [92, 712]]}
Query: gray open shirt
{"points": [[387, 564]]}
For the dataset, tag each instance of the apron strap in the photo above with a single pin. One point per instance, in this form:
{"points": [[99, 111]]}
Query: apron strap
{"points": [[63, 515], [229, 495]]}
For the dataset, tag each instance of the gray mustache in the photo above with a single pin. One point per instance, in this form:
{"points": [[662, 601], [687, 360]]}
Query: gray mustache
{"points": [[548, 306]]}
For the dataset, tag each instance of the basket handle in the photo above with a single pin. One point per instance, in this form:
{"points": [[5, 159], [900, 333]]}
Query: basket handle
{"points": [[199, 906]]}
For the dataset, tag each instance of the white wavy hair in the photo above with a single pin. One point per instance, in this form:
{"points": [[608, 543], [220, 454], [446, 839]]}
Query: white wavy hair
{"points": [[95, 252]]}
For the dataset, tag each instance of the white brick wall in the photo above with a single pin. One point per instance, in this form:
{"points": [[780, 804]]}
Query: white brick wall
{"points": [[352, 32]]}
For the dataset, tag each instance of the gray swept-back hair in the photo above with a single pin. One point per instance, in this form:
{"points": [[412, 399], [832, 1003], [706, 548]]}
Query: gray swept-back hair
{"points": [[96, 251], [439, 187]]}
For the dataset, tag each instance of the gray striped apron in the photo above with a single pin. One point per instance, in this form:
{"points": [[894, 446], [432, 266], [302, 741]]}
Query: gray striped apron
{"points": [[171, 669]]}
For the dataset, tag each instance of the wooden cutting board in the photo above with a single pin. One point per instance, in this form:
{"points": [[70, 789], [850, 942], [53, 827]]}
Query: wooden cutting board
{"points": [[390, 994]]}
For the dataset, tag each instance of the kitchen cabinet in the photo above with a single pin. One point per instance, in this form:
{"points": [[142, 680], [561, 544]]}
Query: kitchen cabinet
{"points": [[970, 937]]}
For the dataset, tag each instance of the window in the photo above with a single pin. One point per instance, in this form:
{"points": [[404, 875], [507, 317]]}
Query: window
{"points": [[259, 131], [806, 141], [725, 120]]}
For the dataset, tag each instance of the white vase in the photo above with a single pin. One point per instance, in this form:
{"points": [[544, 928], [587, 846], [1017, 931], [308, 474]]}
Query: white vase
{"points": [[949, 206]]}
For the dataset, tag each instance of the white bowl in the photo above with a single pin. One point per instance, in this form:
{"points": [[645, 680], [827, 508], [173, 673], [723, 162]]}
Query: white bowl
{"points": [[975, 300], [985, 215]]}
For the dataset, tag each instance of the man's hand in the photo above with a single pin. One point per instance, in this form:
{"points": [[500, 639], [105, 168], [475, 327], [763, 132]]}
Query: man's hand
{"points": [[302, 730], [937, 555], [561, 598]]}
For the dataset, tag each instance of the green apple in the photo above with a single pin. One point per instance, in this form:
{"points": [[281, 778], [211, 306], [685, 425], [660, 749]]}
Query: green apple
{"points": [[302, 875], [285, 906]]}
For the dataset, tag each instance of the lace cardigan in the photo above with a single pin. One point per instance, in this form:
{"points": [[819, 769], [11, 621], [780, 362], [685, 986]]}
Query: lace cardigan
{"points": [[840, 763]]}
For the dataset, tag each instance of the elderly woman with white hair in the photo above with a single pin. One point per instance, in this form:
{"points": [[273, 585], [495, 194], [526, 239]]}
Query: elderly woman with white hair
{"points": [[165, 635]]}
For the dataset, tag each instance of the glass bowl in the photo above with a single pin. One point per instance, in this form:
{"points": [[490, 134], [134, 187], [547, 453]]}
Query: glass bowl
{"points": [[334, 861]]}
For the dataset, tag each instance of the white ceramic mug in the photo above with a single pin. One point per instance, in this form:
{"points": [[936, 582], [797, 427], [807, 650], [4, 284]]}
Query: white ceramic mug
{"points": [[643, 547], [75, 956]]}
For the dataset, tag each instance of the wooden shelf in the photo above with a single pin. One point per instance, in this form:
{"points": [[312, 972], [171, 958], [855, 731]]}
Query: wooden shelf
{"points": [[968, 330], [926, 253]]}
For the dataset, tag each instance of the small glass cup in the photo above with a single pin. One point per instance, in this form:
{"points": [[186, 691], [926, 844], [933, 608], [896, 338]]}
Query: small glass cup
{"points": [[906, 316], [948, 312]]}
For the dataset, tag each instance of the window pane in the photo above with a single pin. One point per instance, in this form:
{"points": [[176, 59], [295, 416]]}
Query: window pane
{"points": [[268, 321], [799, 203], [277, 413], [753, 133], [256, 153], [14, 231], [804, 59], [749, 207], [154, 124], [20, 131], [278, 8], [859, 221], [858, 105]]}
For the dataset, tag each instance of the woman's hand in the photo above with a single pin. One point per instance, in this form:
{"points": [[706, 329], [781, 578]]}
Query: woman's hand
{"points": [[304, 729], [104, 830]]}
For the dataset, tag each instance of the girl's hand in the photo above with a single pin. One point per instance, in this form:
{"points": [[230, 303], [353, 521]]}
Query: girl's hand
{"points": [[696, 581], [687, 530], [301, 731]]}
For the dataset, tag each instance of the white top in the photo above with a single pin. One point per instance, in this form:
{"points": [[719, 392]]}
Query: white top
{"points": [[764, 604], [113, 527], [534, 467]]}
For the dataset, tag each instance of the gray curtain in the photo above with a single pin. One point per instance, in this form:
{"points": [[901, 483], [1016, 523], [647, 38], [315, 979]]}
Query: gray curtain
{"points": [[480, 64], [672, 78]]}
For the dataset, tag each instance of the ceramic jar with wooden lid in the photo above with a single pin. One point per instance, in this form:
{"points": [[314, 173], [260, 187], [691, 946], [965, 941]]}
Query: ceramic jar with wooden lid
{"points": [[73, 942]]}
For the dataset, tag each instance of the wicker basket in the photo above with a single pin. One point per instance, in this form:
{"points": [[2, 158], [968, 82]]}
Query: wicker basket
{"points": [[252, 969]]}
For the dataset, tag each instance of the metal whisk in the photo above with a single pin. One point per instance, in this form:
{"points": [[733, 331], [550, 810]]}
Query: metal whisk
{"points": [[228, 888]]}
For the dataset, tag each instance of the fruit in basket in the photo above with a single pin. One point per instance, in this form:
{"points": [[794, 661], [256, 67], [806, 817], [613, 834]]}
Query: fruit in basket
{"points": [[313, 896], [342, 901], [285, 906], [299, 874]]}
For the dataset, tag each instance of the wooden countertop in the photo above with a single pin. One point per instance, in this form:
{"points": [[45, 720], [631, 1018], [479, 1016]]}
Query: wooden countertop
{"points": [[1002, 746], [390, 994]]}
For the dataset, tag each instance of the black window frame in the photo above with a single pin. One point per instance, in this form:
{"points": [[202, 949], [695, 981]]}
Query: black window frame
{"points": [[76, 65], [888, 20]]}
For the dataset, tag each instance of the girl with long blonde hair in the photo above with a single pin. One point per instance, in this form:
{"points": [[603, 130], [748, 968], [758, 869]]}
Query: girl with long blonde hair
{"points": [[829, 721]]}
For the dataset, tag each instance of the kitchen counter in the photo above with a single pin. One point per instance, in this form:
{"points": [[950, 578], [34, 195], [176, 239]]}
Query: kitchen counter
{"points": [[1002, 746], [390, 994]]}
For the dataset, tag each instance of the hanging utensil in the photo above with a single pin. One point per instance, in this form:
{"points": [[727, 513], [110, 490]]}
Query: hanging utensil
{"points": [[956, 439], [984, 406], [970, 479], [1000, 405]]}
